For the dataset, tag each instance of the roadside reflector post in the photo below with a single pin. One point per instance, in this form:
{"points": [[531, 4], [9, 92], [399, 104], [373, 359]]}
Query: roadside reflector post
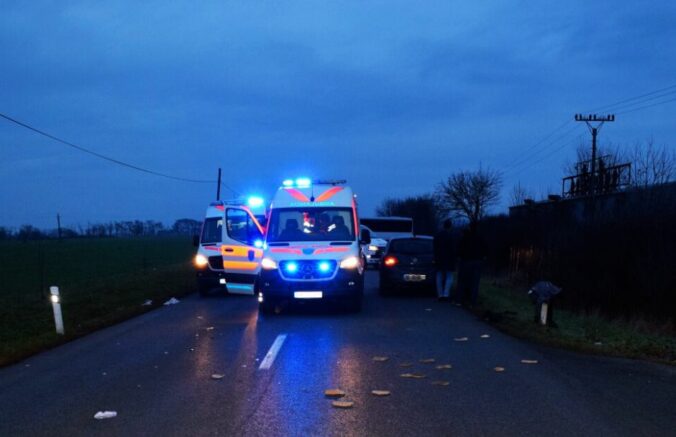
{"points": [[543, 313], [55, 297]]}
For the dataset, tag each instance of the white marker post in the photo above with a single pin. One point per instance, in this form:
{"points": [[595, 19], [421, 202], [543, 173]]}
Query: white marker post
{"points": [[543, 313], [56, 306]]}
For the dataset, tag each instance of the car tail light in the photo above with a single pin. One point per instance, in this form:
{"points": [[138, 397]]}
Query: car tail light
{"points": [[390, 261]]}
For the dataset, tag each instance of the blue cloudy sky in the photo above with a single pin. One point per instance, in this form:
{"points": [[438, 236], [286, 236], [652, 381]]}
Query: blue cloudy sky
{"points": [[393, 96]]}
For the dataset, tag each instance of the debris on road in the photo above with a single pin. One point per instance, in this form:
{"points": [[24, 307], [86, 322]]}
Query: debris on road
{"points": [[412, 375], [172, 301], [485, 336], [380, 359], [406, 365], [334, 393], [444, 366], [461, 339], [342, 404], [210, 328], [499, 369], [105, 415], [529, 361], [427, 360], [380, 392], [440, 383], [428, 309], [148, 302], [217, 376]]}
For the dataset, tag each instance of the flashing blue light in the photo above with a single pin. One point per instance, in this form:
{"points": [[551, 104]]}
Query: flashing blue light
{"points": [[291, 267], [254, 201], [303, 182], [324, 266], [288, 183], [258, 243]]}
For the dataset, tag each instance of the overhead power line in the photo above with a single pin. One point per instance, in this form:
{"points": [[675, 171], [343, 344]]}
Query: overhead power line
{"points": [[108, 158], [631, 104]]}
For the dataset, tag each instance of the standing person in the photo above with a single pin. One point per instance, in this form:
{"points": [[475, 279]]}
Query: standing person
{"points": [[445, 259], [471, 251]]}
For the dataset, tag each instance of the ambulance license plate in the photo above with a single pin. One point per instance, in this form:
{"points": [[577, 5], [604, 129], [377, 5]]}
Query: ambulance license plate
{"points": [[308, 294], [414, 278]]}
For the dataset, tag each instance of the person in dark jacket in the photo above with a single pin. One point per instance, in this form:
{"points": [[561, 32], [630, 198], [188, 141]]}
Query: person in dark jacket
{"points": [[472, 251], [445, 259]]}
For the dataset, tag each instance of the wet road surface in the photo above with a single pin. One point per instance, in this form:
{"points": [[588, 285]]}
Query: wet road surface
{"points": [[156, 372]]}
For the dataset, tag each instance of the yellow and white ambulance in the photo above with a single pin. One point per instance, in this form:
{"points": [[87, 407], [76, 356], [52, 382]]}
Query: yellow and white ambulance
{"points": [[312, 249], [229, 247]]}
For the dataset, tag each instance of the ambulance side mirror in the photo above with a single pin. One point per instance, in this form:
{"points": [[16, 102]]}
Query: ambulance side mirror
{"points": [[196, 240], [365, 236]]}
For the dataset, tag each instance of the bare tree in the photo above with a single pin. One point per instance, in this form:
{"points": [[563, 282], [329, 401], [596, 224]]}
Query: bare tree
{"points": [[469, 194], [519, 194], [651, 164], [609, 153]]}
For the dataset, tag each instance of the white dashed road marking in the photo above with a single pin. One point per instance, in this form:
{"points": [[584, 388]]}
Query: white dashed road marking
{"points": [[272, 353]]}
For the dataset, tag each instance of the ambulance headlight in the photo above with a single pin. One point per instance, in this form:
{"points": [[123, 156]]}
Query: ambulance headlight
{"points": [[350, 263], [201, 261], [373, 248], [268, 264]]}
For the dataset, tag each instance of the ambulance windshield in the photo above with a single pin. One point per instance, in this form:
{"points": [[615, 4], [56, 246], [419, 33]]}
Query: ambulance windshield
{"points": [[311, 224]]}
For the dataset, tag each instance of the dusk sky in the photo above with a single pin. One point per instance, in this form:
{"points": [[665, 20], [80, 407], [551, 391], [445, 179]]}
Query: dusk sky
{"points": [[392, 96]]}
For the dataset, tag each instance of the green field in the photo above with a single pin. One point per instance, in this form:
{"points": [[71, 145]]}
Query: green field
{"points": [[511, 310], [101, 281]]}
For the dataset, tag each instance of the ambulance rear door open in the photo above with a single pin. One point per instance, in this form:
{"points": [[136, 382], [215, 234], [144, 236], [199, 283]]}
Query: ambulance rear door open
{"points": [[241, 249]]}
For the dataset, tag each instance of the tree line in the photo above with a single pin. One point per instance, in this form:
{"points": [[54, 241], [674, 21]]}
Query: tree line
{"points": [[125, 229]]}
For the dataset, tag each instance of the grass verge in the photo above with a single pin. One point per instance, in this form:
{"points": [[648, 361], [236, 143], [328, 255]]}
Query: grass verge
{"points": [[512, 311], [92, 296]]}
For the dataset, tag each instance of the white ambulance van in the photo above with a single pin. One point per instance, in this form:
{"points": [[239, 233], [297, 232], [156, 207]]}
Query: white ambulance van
{"points": [[312, 246], [229, 248]]}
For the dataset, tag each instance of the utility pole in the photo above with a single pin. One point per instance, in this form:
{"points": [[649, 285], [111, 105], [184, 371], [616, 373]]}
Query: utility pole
{"points": [[58, 225], [218, 187], [594, 131]]}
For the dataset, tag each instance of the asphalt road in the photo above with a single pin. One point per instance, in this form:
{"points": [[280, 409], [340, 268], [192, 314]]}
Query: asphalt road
{"points": [[155, 372]]}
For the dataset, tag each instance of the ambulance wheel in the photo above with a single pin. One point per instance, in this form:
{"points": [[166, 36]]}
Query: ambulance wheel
{"points": [[203, 290], [267, 306], [355, 304]]}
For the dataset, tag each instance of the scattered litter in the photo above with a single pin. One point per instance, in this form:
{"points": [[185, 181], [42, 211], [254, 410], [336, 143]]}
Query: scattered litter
{"points": [[380, 359], [406, 365], [334, 393], [200, 317], [103, 373], [105, 415], [210, 328], [427, 360], [148, 302], [244, 365], [444, 366], [499, 369], [598, 343], [342, 404], [27, 365], [192, 349], [138, 385], [258, 359], [529, 361], [440, 383], [380, 392], [412, 375], [461, 339], [428, 309], [166, 352], [217, 376], [157, 367], [172, 301], [485, 336]]}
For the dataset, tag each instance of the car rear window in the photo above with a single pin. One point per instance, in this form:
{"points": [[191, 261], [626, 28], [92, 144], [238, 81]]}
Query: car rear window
{"points": [[411, 247]]}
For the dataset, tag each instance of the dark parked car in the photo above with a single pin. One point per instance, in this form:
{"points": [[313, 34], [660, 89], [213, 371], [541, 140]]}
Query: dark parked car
{"points": [[407, 263]]}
